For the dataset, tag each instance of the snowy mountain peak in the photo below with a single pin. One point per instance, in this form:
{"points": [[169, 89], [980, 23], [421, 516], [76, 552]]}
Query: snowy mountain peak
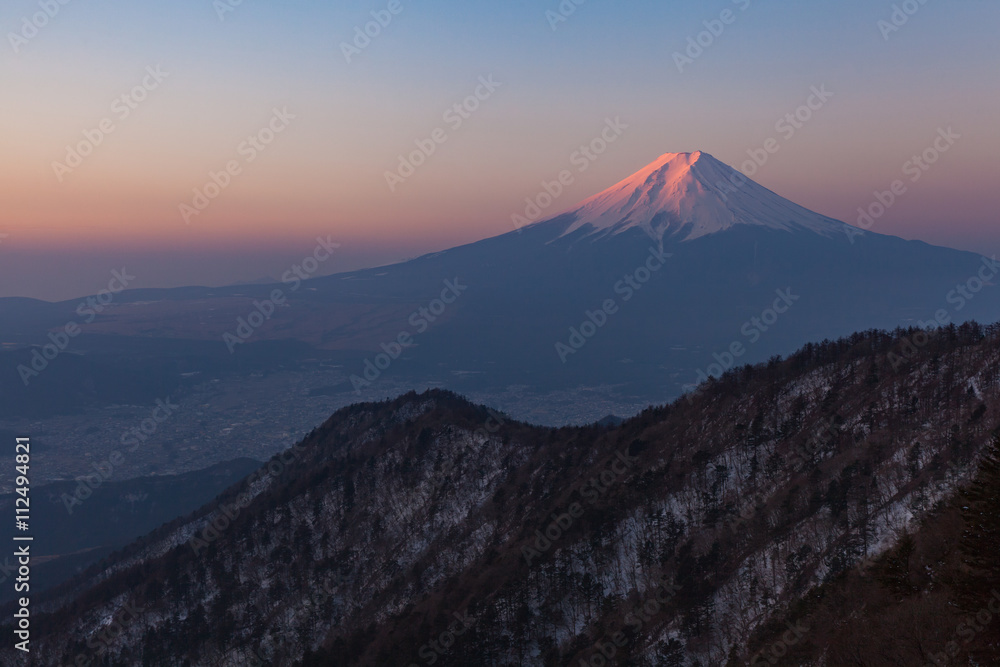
{"points": [[684, 196]]}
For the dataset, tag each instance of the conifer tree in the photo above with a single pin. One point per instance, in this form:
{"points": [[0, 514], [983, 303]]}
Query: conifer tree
{"points": [[980, 545]]}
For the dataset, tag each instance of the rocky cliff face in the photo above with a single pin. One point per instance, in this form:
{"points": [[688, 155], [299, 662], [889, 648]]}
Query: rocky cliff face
{"points": [[427, 530]]}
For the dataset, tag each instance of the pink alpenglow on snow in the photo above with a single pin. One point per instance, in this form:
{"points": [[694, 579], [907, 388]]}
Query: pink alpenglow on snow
{"points": [[684, 196]]}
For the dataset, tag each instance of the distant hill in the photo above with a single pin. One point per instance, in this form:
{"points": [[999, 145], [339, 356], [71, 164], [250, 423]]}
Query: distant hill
{"points": [[610, 420]]}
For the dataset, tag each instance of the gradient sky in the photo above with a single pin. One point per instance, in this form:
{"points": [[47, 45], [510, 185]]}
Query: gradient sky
{"points": [[324, 174]]}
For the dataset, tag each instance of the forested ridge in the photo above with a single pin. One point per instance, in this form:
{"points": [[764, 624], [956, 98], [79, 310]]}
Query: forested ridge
{"points": [[810, 492]]}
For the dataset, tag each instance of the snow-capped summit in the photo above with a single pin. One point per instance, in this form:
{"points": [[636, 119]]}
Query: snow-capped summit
{"points": [[688, 195]]}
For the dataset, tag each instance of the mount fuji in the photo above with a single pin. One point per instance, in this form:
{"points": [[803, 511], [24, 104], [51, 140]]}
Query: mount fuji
{"points": [[681, 271], [684, 196]]}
